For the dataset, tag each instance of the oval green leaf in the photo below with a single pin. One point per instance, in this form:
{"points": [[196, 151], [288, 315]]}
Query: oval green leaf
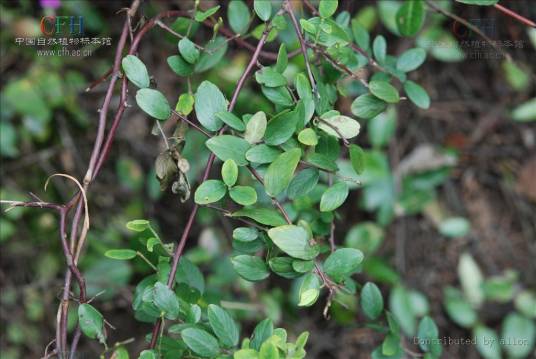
{"points": [[210, 191], [153, 103]]}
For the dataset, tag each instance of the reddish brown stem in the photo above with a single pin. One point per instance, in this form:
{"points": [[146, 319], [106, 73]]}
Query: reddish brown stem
{"points": [[515, 15], [180, 248], [288, 9]]}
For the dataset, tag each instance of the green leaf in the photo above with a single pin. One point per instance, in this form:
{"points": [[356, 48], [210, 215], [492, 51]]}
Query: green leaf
{"points": [[382, 128], [246, 354], [391, 345], [334, 197], [262, 154], [411, 59], [458, 309], [342, 263], [371, 300], [121, 254], [454, 227], [210, 191], [327, 7], [346, 127], [526, 112], [303, 87], [223, 325], [189, 274], [379, 48], [322, 161], [525, 302], [518, 334], [245, 234], [203, 15], [200, 342], [278, 95], [229, 172], [147, 354], [308, 26], [266, 216], [517, 77], [309, 290], [282, 59], [188, 50], [384, 91], [479, 2], [283, 266], [153, 103], [231, 120], [308, 137], [238, 16], [121, 353], [303, 183], [251, 268], [281, 128], [417, 94], [180, 66], [471, 279], [138, 225], [368, 106], [263, 9], [261, 333], [136, 71], [208, 101], [357, 158], [410, 17], [166, 300], [281, 171], [361, 35], [428, 335], [449, 51], [255, 128], [229, 147], [185, 105], [91, 322], [244, 195], [400, 306], [269, 77], [294, 241], [268, 351], [215, 50], [302, 266], [487, 342]]}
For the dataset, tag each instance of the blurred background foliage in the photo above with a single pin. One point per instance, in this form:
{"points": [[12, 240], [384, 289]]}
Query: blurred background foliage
{"points": [[445, 214]]}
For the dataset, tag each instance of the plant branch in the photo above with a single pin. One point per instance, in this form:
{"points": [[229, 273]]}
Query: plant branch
{"points": [[336, 129], [469, 26], [185, 119], [336, 63], [288, 9], [182, 242], [515, 15]]}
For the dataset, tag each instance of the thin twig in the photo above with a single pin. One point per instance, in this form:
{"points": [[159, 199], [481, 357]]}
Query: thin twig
{"points": [[182, 242], [515, 15], [161, 130], [336, 129], [173, 32], [336, 63], [99, 80], [288, 8], [185, 119], [469, 26]]}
